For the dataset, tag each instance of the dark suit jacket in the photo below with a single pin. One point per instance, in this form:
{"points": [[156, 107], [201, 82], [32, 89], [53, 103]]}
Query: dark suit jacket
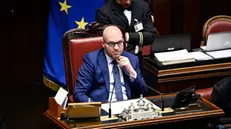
{"points": [[221, 95], [112, 13], [93, 78]]}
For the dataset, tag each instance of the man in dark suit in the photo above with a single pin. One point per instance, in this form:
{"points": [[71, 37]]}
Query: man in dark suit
{"points": [[109, 73], [221, 95], [134, 16]]}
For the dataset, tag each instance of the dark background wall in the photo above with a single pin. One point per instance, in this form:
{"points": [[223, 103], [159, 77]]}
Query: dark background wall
{"points": [[23, 26], [23, 96], [187, 16]]}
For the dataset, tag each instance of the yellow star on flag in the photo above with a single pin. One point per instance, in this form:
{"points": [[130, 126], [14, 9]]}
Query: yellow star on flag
{"points": [[81, 24], [64, 6]]}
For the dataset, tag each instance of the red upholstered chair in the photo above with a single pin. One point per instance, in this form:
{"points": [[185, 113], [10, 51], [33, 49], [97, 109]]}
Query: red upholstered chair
{"points": [[75, 46], [146, 50], [205, 93], [220, 23]]}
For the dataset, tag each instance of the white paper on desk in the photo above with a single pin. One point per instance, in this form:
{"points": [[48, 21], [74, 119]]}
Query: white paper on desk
{"points": [[200, 55], [60, 96], [220, 54], [203, 47], [118, 106], [173, 55]]}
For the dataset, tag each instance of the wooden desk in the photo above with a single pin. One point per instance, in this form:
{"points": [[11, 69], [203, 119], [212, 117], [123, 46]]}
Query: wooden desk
{"points": [[175, 79], [178, 120]]}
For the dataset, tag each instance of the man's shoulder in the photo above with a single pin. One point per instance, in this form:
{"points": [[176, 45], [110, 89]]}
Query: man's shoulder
{"points": [[223, 84], [139, 1], [93, 54], [106, 6]]}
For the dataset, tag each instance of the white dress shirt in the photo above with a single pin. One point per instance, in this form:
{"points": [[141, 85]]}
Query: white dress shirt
{"points": [[112, 93], [128, 15]]}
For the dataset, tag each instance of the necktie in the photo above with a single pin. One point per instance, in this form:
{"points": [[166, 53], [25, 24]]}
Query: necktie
{"points": [[117, 81]]}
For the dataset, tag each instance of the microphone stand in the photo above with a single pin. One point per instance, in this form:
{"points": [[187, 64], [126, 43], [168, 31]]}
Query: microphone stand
{"points": [[164, 111], [109, 110], [162, 99]]}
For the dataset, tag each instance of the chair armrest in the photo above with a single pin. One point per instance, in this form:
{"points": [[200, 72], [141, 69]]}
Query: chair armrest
{"points": [[205, 93], [146, 50]]}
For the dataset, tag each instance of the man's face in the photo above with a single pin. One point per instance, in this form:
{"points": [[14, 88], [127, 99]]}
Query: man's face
{"points": [[113, 42], [124, 3]]}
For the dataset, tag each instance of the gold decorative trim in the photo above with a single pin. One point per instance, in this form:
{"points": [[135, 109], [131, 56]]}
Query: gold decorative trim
{"points": [[50, 84], [141, 39]]}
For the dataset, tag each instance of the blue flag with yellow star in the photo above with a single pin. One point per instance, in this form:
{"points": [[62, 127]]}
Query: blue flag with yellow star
{"points": [[64, 15]]}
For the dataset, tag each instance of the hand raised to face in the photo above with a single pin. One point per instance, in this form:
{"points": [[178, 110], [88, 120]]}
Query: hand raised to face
{"points": [[125, 64]]}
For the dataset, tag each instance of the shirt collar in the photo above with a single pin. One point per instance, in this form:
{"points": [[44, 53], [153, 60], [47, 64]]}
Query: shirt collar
{"points": [[109, 59]]}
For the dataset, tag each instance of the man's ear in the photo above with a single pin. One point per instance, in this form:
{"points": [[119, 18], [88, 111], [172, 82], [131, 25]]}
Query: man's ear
{"points": [[103, 43]]}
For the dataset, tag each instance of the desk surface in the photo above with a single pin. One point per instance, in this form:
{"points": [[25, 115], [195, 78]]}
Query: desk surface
{"points": [[212, 112], [186, 72]]}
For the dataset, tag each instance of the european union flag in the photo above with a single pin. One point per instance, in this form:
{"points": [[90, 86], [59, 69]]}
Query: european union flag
{"points": [[64, 15]]}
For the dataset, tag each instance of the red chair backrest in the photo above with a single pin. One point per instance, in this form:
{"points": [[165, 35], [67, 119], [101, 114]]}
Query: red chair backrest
{"points": [[146, 50], [220, 23], [73, 55]]}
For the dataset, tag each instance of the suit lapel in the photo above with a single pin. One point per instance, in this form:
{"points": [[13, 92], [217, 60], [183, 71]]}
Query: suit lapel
{"points": [[118, 11], [102, 62], [131, 27], [134, 12]]}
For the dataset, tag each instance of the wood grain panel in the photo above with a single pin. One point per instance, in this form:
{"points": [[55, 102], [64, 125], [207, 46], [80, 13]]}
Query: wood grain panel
{"points": [[161, 11]]}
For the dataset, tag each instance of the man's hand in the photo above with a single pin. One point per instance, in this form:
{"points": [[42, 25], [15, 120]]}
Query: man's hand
{"points": [[126, 65]]}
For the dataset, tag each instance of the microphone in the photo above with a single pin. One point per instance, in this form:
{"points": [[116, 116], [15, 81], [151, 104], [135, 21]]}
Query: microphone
{"points": [[109, 110], [162, 99]]}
